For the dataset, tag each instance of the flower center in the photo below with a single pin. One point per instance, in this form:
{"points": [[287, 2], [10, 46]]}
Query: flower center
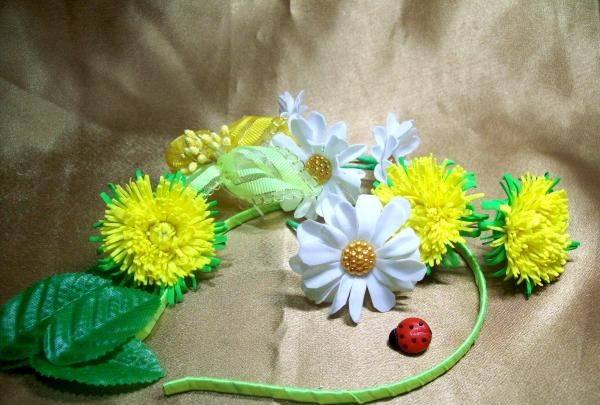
{"points": [[319, 167], [358, 258], [161, 234]]}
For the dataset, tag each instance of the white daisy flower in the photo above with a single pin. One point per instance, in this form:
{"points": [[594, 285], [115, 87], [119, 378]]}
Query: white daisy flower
{"points": [[396, 140], [324, 151], [289, 106], [358, 249]]}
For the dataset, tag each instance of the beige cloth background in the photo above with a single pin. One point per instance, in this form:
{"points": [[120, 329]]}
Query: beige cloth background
{"points": [[90, 91]]}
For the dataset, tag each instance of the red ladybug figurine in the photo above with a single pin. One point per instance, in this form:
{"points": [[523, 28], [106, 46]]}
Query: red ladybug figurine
{"points": [[412, 336]]}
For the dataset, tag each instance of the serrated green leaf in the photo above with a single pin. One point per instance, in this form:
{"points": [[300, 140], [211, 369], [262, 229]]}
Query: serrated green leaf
{"points": [[131, 363], [91, 328], [24, 317]]}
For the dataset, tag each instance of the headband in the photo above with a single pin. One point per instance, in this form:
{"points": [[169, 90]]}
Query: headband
{"points": [[154, 240]]}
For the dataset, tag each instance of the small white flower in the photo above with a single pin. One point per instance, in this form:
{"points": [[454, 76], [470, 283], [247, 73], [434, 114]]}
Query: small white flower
{"points": [[358, 249], [288, 106], [396, 140], [324, 151]]}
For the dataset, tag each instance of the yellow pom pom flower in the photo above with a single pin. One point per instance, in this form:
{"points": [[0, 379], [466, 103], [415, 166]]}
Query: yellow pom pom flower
{"points": [[441, 210], [529, 232], [158, 239]]}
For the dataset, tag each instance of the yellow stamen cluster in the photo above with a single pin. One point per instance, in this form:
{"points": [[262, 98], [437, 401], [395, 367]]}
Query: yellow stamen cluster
{"points": [[158, 237], [358, 258], [193, 149], [438, 202], [319, 168], [534, 231]]}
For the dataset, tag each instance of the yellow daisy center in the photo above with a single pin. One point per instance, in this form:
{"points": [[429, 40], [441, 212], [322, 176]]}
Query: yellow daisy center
{"points": [[319, 167], [358, 258], [158, 236], [438, 202]]}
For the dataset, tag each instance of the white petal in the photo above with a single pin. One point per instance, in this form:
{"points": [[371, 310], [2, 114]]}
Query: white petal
{"points": [[323, 278], [403, 127], [343, 217], [393, 216], [405, 269], [377, 152], [401, 245], [350, 153], [382, 298], [368, 209], [380, 172], [319, 126], [285, 142], [304, 207], [337, 130], [334, 147], [392, 283], [391, 123], [302, 131], [328, 203], [357, 297], [324, 232], [325, 293], [380, 135], [341, 296], [313, 252], [405, 148], [349, 181]]}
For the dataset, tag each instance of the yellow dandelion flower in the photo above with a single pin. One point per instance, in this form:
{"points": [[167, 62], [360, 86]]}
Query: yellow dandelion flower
{"points": [[441, 210], [529, 232], [158, 239]]}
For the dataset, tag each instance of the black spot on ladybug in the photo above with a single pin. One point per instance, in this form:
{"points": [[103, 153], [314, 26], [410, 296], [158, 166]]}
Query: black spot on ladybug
{"points": [[420, 323], [411, 326]]}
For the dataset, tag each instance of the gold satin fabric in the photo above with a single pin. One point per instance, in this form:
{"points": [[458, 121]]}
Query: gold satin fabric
{"points": [[91, 91]]}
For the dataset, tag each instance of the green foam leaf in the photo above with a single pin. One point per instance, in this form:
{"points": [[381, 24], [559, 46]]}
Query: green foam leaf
{"points": [[131, 363], [90, 329], [24, 317]]}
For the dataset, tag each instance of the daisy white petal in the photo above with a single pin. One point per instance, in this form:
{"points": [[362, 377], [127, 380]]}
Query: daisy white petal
{"points": [[334, 147], [285, 142], [313, 252], [393, 216], [288, 106], [403, 244], [302, 131], [323, 278], [327, 233], [337, 130], [341, 296], [382, 298], [404, 269], [320, 295], [357, 297], [368, 210], [392, 283], [343, 217], [350, 153], [317, 122], [307, 208]]}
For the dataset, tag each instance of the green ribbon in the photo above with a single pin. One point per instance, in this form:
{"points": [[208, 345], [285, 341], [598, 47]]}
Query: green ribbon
{"points": [[257, 174]]}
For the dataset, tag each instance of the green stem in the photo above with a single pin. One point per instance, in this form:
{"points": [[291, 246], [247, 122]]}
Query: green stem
{"points": [[249, 214], [351, 396], [146, 330], [362, 167]]}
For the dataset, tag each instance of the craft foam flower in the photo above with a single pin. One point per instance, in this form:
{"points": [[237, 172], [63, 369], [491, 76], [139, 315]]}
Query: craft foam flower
{"points": [[289, 106], [442, 213], [158, 239], [359, 249], [529, 232], [324, 151], [396, 140]]}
